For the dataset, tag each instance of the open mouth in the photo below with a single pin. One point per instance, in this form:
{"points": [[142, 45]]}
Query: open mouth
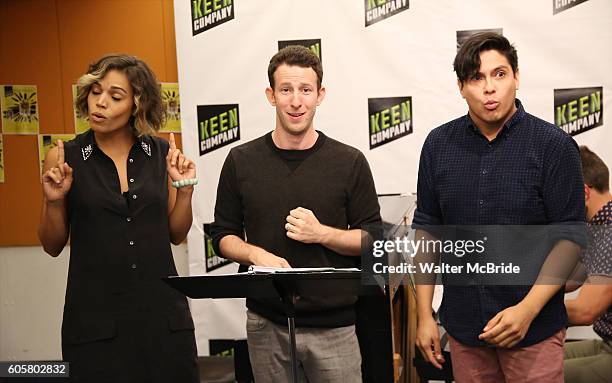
{"points": [[296, 115]]}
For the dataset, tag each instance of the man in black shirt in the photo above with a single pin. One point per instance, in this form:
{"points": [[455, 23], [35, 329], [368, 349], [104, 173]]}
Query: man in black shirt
{"points": [[498, 165], [303, 200]]}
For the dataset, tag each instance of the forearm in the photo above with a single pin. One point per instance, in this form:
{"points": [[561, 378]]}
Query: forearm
{"points": [[578, 313], [424, 299], [181, 217], [594, 299], [236, 249], [538, 296], [345, 242], [53, 227], [558, 266]]}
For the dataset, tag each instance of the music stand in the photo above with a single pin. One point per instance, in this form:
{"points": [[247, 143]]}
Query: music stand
{"points": [[287, 285]]}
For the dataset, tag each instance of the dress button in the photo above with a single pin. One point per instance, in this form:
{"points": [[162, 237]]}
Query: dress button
{"points": [[131, 243], [134, 196], [129, 219], [131, 160], [133, 266], [131, 180]]}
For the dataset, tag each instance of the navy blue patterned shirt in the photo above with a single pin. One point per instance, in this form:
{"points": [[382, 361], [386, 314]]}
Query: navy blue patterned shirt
{"points": [[530, 174], [597, 260]]}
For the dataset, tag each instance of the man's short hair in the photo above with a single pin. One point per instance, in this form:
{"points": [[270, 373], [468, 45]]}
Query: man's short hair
{"points": [[295, 55], [594, 171], [467, 61]]}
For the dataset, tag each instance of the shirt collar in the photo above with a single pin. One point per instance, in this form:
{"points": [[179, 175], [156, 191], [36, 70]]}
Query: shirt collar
{"points": [[603, 216], [508, 127], [89, 146]]}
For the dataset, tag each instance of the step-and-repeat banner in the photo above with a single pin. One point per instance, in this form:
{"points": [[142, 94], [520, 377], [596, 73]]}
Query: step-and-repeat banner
{"points": [[389, 78]]}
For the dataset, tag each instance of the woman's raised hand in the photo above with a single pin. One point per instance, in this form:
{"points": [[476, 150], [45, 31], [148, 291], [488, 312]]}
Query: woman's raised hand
{"points": [[57, 179]]}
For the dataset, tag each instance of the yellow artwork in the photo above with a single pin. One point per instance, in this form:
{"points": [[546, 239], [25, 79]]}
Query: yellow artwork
{"points": [[48, 141], [1, 161], [80, 122], [172, 106], [19, 108]]}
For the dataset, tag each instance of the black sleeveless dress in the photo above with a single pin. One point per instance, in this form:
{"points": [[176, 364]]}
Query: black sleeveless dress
{"points": [[122, 323]]}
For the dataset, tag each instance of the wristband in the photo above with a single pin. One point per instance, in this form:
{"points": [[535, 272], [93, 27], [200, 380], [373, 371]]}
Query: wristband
{"points": [[185, 182]]}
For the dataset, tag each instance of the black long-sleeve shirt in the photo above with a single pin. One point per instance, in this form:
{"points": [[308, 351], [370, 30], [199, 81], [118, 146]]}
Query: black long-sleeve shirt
{"points": [[258, 187]]}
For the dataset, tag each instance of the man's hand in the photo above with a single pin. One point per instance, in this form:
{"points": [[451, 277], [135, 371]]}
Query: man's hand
{"points": [[509, 326], [303, 226], [260, 257], [428, 341]]}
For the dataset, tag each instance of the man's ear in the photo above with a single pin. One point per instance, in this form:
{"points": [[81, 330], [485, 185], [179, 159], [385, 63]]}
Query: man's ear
{"points": [[270, 96], [587, 192], [460, 86], [320, 95], [516, 78]]}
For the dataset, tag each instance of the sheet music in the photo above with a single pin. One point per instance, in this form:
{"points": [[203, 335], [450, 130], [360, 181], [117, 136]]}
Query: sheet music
{"points": [[268, 270]]}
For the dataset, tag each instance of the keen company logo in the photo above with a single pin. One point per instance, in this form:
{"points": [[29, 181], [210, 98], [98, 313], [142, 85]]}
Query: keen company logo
{"points": [[218, 125], [377, 10], [207, 14], [313, 44], [562, 5], [213, 261], [389, 119], [462, 36], [578, 110]]}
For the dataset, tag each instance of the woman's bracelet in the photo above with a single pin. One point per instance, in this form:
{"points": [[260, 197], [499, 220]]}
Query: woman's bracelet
{"points": [[185, 182]]}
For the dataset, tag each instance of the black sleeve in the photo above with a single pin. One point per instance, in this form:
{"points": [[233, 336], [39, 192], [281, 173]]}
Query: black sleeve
{"points": [[228, 208], [563, 190], [428, 208], [362, 207]]}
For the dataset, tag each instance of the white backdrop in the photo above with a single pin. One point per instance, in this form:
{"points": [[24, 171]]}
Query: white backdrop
{"points": [[408, 54]]}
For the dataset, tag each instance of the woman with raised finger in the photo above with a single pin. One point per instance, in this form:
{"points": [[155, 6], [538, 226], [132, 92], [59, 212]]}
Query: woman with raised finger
{"points": [[122, 195]]}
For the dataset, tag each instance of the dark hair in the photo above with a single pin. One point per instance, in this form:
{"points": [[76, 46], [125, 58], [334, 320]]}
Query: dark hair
{"points": [[467, 61], [296, 55], [148, 114], [594, 170]]}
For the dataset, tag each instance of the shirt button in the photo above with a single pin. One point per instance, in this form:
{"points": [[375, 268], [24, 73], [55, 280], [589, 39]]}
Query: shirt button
{"points": [[134, 196], [134, 266], [129, 219], [484, 171], [131, 243], [481, 202], [131, 180], [131, 160]]}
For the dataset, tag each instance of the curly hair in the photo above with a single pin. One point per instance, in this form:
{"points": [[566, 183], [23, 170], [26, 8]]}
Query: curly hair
{"points": [[148, 114]]}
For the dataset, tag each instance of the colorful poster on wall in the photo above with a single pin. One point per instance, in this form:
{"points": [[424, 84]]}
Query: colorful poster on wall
{"points": [[48, 141], [1, 160], [172, 106], [19, 108], [80, 123]]}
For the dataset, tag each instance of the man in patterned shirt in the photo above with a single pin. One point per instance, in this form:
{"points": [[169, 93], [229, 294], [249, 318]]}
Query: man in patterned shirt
{"points": [[498, 165], [591, 360]]}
